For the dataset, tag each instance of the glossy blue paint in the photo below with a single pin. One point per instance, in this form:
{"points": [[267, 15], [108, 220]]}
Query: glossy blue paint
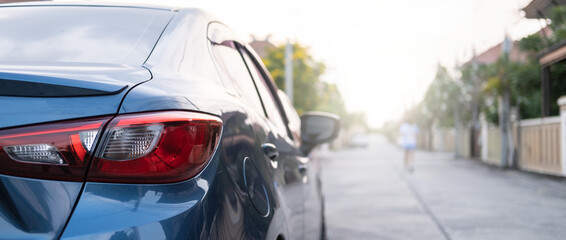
{"points": [[108, 78], [35, 209], [255, 187], [147, 211], [18, 111]]}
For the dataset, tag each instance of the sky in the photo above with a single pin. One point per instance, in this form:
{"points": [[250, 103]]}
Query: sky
{"points": [[382, 54]]}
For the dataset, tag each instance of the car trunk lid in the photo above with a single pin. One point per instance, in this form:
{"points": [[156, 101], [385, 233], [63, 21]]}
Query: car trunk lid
{"points": [[33, 95]]}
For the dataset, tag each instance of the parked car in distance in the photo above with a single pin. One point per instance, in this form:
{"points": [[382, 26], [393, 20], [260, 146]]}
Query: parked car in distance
{"points": [[142, 122], [359, 140]]}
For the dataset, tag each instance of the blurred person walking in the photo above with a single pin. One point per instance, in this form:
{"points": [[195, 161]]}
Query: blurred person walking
{"points": [[408, 132]]}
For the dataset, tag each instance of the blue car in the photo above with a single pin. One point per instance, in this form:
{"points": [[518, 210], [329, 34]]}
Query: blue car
{"points": [[142, 122]]}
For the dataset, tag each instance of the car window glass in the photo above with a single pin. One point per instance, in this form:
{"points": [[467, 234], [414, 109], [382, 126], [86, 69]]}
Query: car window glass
{"points": [[239, 80], [292, 115], [269, 101], [94, 35]]}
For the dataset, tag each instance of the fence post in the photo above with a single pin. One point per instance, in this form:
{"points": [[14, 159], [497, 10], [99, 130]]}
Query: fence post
{"points": [[513, 140], [562, 104], [484, 137]]}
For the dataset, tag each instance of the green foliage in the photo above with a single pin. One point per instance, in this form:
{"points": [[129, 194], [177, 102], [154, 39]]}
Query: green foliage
{"points": [[525, 87], [536, 42], [480, 85], [533, 44], [522, 80], [309, 92], [525, 77], [557, 86], [440, 101], [491, 109], [558, 23], [306, 76], [330, 100]]}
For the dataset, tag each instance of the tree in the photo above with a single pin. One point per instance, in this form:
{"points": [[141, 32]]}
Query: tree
{"points": [[330, 99], [537, 42], [306, 75], [439, 105], [526, 89], [441, 100], [309, 92]]}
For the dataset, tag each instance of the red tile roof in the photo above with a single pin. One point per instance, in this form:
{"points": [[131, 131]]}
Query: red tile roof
{"points": [[492, 54]]}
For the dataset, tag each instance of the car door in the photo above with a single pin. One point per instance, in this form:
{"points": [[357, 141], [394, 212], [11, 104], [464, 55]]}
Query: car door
{"points": [[291, 166], [245, 161], [312, 195]]}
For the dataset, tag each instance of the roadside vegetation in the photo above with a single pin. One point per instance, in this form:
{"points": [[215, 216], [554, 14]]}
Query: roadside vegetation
{"points": [[310, 93], [457, 98]]}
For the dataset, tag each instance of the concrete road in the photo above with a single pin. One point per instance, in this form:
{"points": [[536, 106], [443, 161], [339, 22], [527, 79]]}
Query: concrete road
{"points": [[370, 196]]}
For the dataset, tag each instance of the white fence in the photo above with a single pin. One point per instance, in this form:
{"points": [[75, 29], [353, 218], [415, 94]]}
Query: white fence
{"points": [[538, 145], [492, 144]]}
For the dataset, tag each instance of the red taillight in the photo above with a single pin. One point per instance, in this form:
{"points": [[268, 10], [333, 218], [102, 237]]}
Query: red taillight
{"points": [[50, 151], [156, 147]]}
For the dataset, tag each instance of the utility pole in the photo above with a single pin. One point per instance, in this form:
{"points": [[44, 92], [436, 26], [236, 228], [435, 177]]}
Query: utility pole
{"points": [[457, 134], [504, 104], [475, 104], [289, 70]]}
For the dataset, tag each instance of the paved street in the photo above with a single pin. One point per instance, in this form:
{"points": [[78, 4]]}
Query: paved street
{"points": [[370, 196]]}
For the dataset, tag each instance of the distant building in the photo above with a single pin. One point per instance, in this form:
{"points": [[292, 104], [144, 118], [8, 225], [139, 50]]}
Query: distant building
{"points": [[541, 8], [262, 46], [492, 54]]}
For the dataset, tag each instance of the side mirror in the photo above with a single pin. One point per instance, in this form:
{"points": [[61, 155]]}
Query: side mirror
{"points": [[318, 128]]}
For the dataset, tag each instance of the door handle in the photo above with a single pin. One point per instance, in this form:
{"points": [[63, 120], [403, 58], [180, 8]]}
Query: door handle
{"points": [[270, 150]]}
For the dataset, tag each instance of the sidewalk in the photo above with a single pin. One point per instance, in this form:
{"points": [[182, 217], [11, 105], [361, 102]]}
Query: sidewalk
{"points": [[370, 196]]}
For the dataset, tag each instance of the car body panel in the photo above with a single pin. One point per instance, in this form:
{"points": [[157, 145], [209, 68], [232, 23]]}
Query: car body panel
{"points": [[97, 77], [141, 211], [216, 204], [35, 209], [312, 200], [39, 209], [105, 78], [187, 78]]}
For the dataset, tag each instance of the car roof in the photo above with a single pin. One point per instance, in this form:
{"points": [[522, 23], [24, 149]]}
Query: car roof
{"points": [[92, 4]]}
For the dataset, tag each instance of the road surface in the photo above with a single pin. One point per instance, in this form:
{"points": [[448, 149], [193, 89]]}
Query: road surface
{"points": [[370, 196]]}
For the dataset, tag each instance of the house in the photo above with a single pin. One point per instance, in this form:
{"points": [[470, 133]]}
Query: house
{"points": [[492, 54], [541, 9]]}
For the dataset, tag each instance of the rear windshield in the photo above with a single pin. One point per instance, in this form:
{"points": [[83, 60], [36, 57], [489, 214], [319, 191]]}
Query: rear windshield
{"points": [[79, 34]]}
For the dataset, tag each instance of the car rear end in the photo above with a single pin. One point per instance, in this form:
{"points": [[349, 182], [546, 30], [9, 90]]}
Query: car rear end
{"points": [[64, 72]]}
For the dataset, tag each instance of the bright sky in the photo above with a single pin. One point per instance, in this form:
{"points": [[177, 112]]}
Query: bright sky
{"points": [[382, 53]]}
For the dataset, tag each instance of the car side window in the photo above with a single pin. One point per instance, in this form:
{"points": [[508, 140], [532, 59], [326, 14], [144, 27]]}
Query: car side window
{"points": [[292, 115], [239, 80], [269, 100]]}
